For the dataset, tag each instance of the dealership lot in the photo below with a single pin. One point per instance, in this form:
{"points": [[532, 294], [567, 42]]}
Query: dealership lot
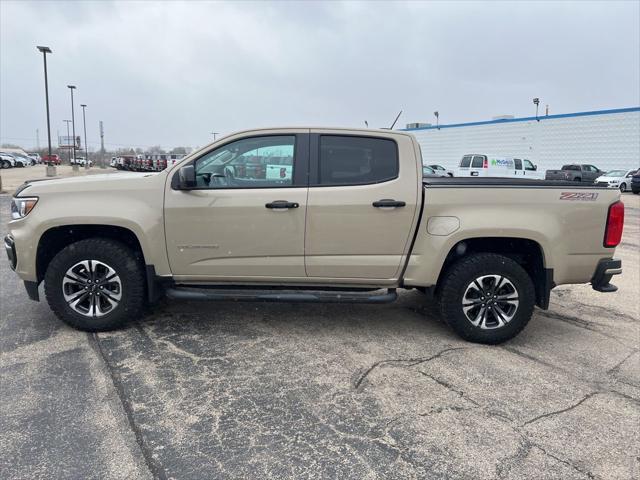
{"points": [[245, 390], [14, 177]]}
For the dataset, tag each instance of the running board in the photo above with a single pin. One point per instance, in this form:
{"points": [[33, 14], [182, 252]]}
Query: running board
{"points": [[300, 296]]}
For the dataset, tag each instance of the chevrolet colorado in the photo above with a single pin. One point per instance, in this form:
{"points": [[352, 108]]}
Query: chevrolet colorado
{"points": [[311, 215]]}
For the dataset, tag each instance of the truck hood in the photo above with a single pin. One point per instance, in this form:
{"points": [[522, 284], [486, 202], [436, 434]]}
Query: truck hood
{"points": [[90, 183]]}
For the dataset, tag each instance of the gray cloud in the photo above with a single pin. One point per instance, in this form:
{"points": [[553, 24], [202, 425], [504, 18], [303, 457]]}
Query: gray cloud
{"points": [[171, 72]]}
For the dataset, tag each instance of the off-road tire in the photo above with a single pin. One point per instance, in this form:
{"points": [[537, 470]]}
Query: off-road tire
{"points": [[458, 277], [118, 256]]}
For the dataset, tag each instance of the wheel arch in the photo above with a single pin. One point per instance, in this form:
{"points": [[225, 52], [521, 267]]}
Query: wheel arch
{"points": [[56, 238], [526, 252]]}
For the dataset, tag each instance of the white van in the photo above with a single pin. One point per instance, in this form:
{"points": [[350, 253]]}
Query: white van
{"points": [[480, 165]]}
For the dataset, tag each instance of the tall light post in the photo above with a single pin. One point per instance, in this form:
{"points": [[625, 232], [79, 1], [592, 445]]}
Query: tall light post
{"points": [[536, 102], [73, 124], [86, 148], [214, 135], [68, 122], [51, 170], [437, 114]]}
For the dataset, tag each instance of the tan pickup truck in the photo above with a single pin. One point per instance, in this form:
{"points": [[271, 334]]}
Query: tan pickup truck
{"points": [[311, 215]]}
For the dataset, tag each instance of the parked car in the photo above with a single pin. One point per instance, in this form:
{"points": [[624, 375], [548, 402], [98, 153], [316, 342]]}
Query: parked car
{"points": [[81, 161], [474, 165], [15, 160], [114, 162], [575, 173], [53, 159], [441, 170], [204, 230], [620, 179], [635, 182], [35, 157], [427, 171], [7, 160]]}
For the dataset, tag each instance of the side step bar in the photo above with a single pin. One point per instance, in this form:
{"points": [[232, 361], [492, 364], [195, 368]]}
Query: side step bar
{"points": [[300, 296]]}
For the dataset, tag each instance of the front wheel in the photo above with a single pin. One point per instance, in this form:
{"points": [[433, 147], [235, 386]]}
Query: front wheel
{"points": [[623, 187], [95, 285], [487, 298]]}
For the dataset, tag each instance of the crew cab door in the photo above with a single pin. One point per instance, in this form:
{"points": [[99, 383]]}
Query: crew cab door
{"points": [[245, 217], [362, 205]]}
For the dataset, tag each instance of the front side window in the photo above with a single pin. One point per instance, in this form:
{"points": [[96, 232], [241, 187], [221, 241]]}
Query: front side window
{"points": [[257, 162], [528, 165], [347, 160]]}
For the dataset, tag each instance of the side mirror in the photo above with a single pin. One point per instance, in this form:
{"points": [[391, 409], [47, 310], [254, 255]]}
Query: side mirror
{"points": [[535, 167], [187, 176]]}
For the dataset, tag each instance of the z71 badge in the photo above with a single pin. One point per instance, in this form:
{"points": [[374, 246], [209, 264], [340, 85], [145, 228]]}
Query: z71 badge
{"points": [[580, 196]]}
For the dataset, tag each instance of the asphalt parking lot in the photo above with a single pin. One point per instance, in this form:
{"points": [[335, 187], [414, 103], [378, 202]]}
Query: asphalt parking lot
{"points": [[221, 390]]}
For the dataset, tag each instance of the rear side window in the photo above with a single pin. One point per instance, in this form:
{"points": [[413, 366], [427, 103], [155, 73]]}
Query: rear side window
{"points": [[477, 161], [347, 160], [518, 163], [466, 161]]}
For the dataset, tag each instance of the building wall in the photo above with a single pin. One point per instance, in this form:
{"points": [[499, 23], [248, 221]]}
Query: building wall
{"points": [[607, 139]]}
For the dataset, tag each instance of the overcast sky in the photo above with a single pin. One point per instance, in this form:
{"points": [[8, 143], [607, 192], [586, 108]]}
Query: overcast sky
{"points": [[170, 73]]}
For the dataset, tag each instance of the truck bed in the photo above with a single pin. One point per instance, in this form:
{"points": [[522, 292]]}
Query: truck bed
{"points": [[504, 182]]}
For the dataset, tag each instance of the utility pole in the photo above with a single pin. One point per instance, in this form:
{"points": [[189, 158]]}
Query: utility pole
{"points": [[73, 124], [86, 147], [37, 139], [51, 169], [102, 165], [68, 122]]}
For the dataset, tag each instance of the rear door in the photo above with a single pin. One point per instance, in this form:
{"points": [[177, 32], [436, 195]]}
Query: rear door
{"points": [[517, 167], [362, 205], [479, 166], [242, 221], [465, 164]]}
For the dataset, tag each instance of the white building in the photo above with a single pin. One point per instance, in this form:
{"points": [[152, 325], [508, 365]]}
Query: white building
{"points": [[607, 139]]}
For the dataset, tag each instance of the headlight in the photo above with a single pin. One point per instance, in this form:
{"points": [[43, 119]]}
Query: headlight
{"points": [[21, 206]]}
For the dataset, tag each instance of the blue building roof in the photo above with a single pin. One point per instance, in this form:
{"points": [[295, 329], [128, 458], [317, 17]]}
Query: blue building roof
{"points": [[528, 119]]}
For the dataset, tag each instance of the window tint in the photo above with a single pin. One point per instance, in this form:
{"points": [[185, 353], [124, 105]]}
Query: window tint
{"points": [[477, 161], [356, 160], [528, 165], [256, 162], [466, 161], [518, 163]]}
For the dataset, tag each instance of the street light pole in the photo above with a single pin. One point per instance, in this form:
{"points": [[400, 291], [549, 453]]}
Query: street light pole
{"points": [[86, 148], [536, 102], [68, 122], [73, 124], [437, 114], [214, 135], [50, 171]]}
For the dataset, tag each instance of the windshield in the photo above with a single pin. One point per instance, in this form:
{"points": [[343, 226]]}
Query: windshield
{"points": [[615, 173]]}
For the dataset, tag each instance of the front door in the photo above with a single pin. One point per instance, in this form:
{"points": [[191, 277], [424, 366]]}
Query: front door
{"points": [[362, 205], [245, 218]]}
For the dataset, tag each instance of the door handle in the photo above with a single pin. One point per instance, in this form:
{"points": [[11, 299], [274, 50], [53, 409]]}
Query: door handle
{"points": [[386, 202], [282, 204]]}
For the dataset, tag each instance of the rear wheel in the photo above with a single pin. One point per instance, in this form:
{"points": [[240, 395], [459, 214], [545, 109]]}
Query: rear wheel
{"points": [[4, 164], [487, 298], [95, 285]]}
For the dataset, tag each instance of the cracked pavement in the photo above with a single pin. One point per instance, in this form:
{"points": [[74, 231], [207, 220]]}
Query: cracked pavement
{"points": [[245, 390]]}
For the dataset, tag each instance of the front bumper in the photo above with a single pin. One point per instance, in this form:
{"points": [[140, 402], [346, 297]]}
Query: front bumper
{"points": [[605, 270], [10, 248]]}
